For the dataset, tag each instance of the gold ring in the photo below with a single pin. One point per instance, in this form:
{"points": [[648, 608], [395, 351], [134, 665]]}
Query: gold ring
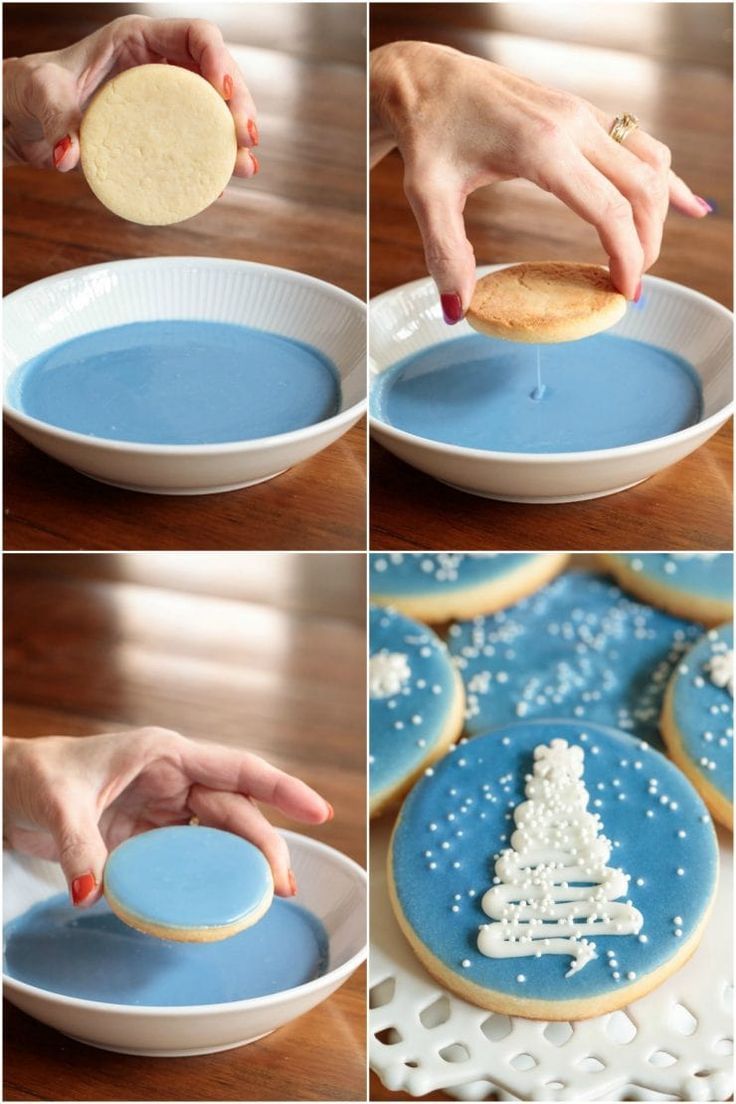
{"points": [[622, 127]]}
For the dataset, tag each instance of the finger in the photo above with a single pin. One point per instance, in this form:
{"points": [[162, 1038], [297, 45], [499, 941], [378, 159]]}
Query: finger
{"points": [[685, 201], [52, 98], [449, 255], [80, 848], [227, 769], [246, 164], [235, 813]]}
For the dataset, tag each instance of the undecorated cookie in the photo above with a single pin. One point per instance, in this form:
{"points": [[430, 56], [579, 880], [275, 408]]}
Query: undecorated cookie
{"points": [[698, 585]]}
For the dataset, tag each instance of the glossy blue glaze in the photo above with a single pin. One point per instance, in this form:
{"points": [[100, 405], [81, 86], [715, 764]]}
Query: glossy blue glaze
{"points": [[405, 726], [703, 712], [702, 574], [655, 830], [93, 955], [478, 392], [178, 382], [401, 574], [188, 877], [578, 648]]}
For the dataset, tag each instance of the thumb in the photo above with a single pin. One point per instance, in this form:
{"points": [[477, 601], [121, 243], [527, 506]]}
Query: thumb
{"points": [[438, 210], [82, 854], [54, 100]]}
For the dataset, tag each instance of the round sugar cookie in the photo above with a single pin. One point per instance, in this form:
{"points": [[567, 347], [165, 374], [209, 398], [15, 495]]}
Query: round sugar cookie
{"points": [[436, 586], [553, 870], [697, 720], [189, 884], [698, 585], [544, 302], [416, 704], [579, 649], [157, 144]]}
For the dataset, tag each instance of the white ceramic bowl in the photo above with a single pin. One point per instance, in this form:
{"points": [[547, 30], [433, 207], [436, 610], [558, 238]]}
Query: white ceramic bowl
{"points": [[331, 885], [61, 307], [408, 319]]}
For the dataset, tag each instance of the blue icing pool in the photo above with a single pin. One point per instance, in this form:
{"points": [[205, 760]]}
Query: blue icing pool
{"points": [[703, 710], [93, 955], [706, 574], [661, 832], [410, 701], [178, 382], [188, 877], [483, 393], [411, 573], [578, 648]]}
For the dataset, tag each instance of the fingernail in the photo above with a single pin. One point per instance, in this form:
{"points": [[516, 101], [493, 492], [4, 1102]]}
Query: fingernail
{"points": [[253, 131], [330, 811], [61, 149], [227, 86], [254, 159], [82, 887], [452, 308], [292, 883], [705, 204], [637, 297]]}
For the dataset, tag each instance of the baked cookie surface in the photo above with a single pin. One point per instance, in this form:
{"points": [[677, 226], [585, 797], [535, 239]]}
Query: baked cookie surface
{"points": [[544, 302], [189, 884], [416, 703], [624, 813], [698, 585], [580, 649]]}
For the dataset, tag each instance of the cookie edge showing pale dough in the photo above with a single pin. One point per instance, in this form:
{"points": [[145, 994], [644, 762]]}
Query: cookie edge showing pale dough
{"points": [[554, 331], [481, 599], [720, 808], [710, 612]]}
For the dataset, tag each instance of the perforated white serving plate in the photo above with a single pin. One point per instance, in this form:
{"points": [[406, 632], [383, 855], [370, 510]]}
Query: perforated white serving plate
{"points": [[674, 1044]]}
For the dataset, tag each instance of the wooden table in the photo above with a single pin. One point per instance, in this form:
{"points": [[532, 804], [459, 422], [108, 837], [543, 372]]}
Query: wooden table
{"points": [[304, 211], [678, 82], [262, 651]]}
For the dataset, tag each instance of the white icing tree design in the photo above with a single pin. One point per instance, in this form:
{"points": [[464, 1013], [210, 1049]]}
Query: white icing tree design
{"points": [[553, 885]]}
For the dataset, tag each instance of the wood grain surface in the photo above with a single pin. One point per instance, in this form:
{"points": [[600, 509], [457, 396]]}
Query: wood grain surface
{"points": [[670, 64], [261, 652], [304, 211]]}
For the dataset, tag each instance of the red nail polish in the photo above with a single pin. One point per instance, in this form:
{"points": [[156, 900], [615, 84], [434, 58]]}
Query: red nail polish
{"points": [[637, 297], [704, 204], [253, 132], [227, 86], [292, 883], [82, 887], [452, 308], [330, 812], [61, 149], [254, 159]]}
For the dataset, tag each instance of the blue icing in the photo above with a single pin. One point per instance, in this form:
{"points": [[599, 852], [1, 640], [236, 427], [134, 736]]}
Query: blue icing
{"points": [[177, 382], [482, 393], [188, 877], [654, 818], [704, 574], [95, 956], [703, 711], [578, 648], [410, 573], [405, 725]]}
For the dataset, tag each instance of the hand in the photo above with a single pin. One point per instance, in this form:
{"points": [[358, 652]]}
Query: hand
{"points": [[461, 122], [45, 94], [73, 799]]}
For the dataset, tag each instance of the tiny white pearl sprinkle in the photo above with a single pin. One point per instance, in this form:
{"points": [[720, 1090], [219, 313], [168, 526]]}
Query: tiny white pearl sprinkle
{"points": [[679, 872], [465, 963], [520, 978], [631, 975]]}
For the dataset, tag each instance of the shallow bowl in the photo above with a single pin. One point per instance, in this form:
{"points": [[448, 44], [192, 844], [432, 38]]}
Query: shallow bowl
{"points": [[45, 313], [407, 319], [332, 886]]}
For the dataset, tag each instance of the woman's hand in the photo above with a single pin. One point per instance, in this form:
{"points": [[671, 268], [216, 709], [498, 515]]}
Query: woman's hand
{"points": [[74, 799], [44, 95], [461, 122]]}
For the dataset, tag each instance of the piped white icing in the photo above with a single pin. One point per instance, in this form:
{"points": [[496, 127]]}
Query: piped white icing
{"points": [[553, 884], [720, 669], [388, 672]]}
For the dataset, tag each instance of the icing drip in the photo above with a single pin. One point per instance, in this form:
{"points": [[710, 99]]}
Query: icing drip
{"points": [[553, 884], [720, 669], [388, 672]]}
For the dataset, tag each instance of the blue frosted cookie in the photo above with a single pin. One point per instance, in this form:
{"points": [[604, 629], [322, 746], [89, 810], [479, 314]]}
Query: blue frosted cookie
{"points": [[579, 648], [696, 585], [697, 720], [553, 870], [189, 884], [437, 586], [416, 704]]}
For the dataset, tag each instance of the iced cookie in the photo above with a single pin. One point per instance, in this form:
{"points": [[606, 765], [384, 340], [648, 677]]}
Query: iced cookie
{"points": [[157, 144], [543, 302], [416, 704], [579, 649], [697, 720], [435, 586], [553, 870], [698, 585], [189, 884]]}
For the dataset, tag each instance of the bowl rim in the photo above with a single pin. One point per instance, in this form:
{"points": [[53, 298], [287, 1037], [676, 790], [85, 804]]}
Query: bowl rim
{"points": [[223, 448], [339, 973], [539, 459]]}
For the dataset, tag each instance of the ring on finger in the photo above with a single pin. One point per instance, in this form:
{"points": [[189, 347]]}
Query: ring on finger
{"points": [[622, 127]]}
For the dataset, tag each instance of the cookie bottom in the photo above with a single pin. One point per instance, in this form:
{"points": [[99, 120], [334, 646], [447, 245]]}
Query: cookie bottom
{"points": [[720, 807], [709, 611], [209, 934]]}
